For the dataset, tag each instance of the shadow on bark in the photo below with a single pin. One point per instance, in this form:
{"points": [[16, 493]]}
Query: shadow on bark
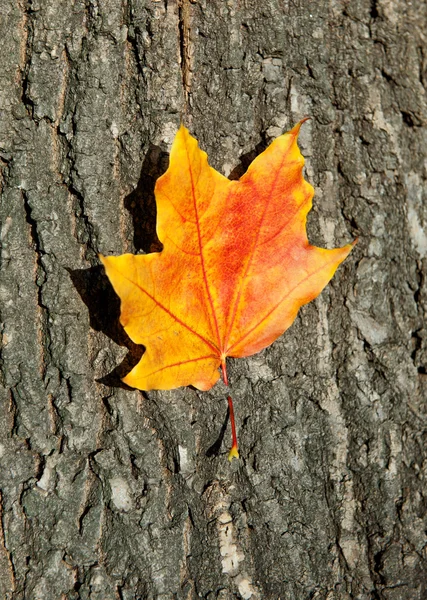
{"points": [[104, 312], [141, 202], [94, 286], [246, 159], [214, 450]]}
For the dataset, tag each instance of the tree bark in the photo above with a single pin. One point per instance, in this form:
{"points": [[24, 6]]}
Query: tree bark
{"points": [[110, 493]]}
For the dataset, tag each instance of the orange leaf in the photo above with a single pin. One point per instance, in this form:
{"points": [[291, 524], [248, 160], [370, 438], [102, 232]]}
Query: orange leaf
{"points": [[235, 267]]}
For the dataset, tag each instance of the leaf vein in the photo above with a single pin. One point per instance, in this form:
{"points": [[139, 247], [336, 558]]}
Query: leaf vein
{"points": [[199, 238], [251, 256], [171, 314], [181, 362], [276, 306]]}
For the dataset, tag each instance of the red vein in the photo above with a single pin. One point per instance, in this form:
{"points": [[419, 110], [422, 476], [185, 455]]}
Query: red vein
{"points": [[296, 213], [178, 364], [251, 256], [179, 248], [199, 237], [211, 345], [184, 219], [271, 311]]}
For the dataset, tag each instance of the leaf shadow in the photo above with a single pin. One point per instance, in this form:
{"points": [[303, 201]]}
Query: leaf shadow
{"points": [[246, 159], [94, 286], [216, 446], [103, 304], [141, 202]]}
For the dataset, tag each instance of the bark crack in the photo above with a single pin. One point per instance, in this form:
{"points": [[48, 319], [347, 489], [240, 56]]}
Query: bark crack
{"points": [[85, 234], [40, 280], [3, 543], [26, 55], [184, 49], [37, 247]]}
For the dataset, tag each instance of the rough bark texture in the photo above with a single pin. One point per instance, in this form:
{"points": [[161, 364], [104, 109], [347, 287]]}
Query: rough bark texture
{"points": [[109, 493]]}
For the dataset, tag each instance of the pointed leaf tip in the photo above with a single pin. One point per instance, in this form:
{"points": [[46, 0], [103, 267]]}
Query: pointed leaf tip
{"points": [[296, 128]]}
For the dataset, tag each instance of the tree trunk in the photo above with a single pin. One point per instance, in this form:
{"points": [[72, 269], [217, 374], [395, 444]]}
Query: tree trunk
{"points": [[111, 493]]}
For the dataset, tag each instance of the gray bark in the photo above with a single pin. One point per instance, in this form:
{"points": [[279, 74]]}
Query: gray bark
{"points": [[109, 493]]}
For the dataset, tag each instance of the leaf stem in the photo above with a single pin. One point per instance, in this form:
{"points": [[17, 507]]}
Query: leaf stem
{"points": [[224, 371], [234, 452]]}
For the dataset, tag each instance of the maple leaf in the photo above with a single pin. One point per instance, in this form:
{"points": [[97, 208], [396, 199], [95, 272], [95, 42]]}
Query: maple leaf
{"points": [[235, 268]]}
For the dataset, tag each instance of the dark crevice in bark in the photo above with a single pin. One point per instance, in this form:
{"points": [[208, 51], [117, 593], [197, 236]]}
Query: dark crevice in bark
{"points": [[93, 20], [374, 562], [54, 415], [13, 410], [82, 516], [89, 241], [38, 249], [29, 16], [40, 280], [184, 48], [423, 66], [309, 69], [86, 234], [5, 159], [3, 542], [410, 119], [334, 512], [119, 591], [39, 466], [132, 35], [37, 245], [388, 77], [374, 9]]}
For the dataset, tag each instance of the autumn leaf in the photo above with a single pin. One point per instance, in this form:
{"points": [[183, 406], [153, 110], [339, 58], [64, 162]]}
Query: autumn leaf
{"points": [[235, 268]]}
